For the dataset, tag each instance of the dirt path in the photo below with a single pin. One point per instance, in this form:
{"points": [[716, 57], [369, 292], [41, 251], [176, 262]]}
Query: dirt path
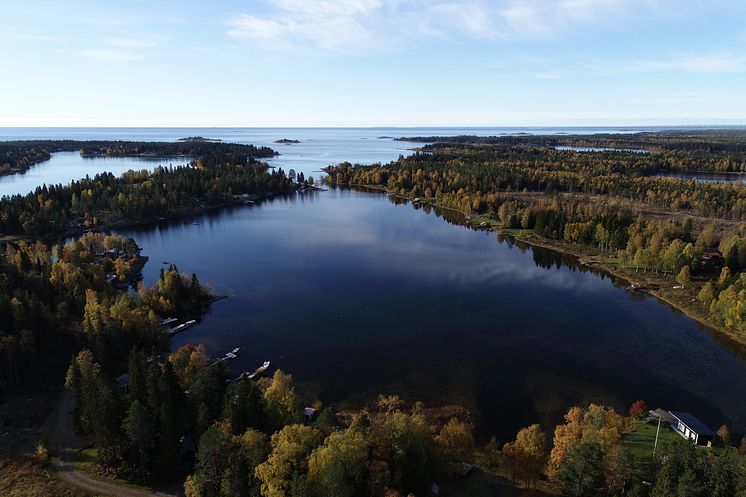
{"points": [[66, 470]]}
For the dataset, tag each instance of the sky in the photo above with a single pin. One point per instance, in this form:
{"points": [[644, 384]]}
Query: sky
{"points": [[372, 62]]}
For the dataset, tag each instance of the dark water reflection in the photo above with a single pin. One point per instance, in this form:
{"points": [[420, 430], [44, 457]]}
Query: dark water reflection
{"points": [[357, 294]]}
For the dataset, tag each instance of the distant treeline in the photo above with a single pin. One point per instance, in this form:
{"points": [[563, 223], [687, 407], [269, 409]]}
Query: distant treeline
{"points": [[17, 156], [715, 150], [480, 171]]}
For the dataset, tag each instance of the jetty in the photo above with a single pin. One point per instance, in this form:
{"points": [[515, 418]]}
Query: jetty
{"points": [[261, 369], [182, 327], [231, 355]]}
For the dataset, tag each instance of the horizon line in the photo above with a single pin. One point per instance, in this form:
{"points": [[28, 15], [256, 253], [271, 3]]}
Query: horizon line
{"points": [[429, 126]]}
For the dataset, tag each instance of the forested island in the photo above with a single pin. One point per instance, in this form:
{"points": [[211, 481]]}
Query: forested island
{"points": [[681, 240]]}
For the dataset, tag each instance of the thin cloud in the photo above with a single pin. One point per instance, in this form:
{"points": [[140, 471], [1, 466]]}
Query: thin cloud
{"points": [[120, 49], [380, 24], [103, 55], [13, 35], [471, 18], [328, 24], [689, 98], [548, 75], [707, 63], [131, 43], [524, 20], [252, 27]]}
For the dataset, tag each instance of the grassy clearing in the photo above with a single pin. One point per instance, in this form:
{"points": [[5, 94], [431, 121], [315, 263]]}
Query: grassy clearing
{"points": [[641, 441], [517, 233]]}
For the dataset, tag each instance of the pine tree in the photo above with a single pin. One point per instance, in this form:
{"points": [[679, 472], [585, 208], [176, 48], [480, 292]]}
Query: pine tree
{"points": [[140, 434]]}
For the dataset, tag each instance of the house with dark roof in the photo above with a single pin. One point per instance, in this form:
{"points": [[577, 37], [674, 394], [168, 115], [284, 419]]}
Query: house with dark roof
{"points": [[691, 428], [124, 382]]}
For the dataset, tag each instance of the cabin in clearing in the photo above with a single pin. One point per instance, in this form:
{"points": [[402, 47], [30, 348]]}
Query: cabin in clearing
{"points": [[692, 428]]}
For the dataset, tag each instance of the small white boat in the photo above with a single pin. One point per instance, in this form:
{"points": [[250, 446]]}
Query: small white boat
{"points": [[259, 370], [181, 327], [178, 329], [168, 321]]}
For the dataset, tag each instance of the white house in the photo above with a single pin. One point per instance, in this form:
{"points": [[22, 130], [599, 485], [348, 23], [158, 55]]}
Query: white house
{"points": [[692, 428]]}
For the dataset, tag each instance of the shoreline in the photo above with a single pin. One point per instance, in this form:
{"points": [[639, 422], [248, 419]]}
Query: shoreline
{"points": [[585, 258], [50, 151], [123, 223], [609, 270]]}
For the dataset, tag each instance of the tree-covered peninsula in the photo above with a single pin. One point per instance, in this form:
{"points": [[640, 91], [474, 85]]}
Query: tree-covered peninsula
{"points": [[18, 156], [219, 174]]}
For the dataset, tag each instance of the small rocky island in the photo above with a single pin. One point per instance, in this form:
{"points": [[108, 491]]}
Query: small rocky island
{"points": [[287, 141], [200, 139]]}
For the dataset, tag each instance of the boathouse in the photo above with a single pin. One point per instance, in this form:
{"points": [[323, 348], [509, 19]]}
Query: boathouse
{"points": [[692, 428]]}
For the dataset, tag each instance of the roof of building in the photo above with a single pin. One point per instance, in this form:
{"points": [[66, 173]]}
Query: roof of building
{"points": [[693, 423], [662, 414], [123, 379]]}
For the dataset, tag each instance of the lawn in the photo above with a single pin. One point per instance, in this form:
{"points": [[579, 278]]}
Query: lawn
{"points": [[641, 441]]}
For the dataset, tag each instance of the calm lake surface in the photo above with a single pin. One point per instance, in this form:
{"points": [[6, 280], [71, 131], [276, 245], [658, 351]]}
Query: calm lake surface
{"points": [[65, 167], [356, 295]]}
